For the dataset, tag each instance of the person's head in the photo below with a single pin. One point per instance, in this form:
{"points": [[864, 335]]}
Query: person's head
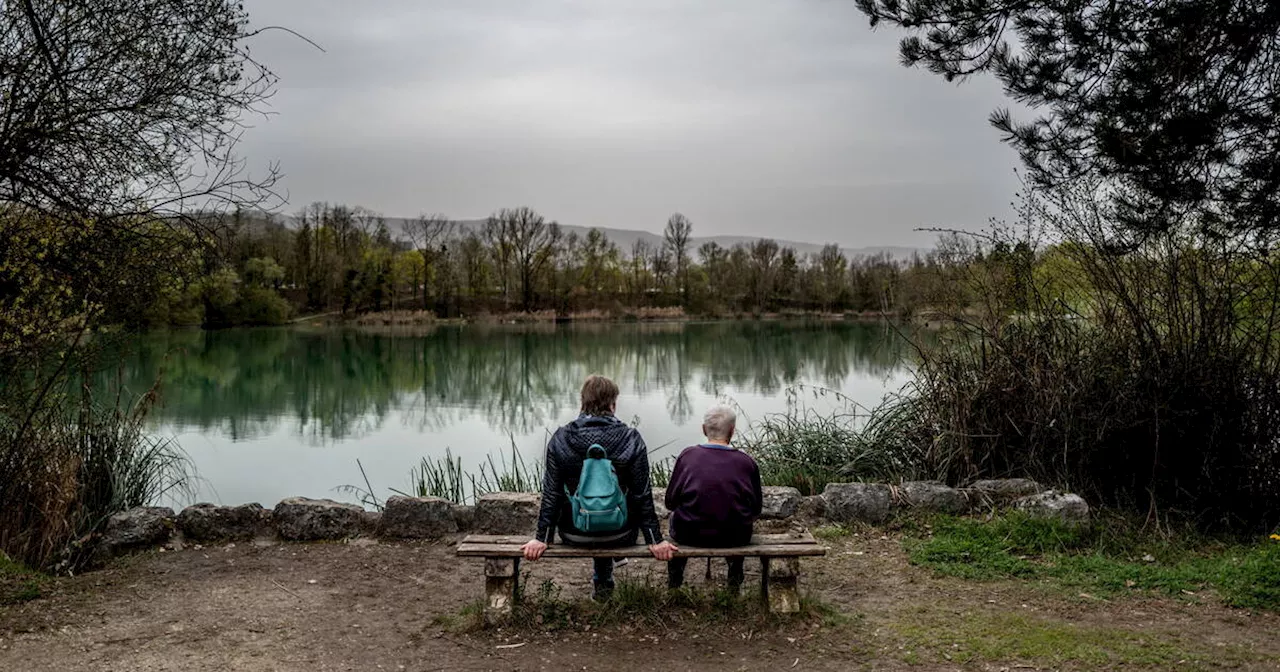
{"points": [[718, 423], [599, 396]]}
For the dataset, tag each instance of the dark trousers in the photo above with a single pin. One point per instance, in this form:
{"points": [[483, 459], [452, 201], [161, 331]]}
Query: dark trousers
{"points": [[602, 568], [677, 566]]}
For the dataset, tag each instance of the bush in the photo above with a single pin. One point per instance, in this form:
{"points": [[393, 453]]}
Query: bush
{"points": [[259, 306], [1146, 377]]}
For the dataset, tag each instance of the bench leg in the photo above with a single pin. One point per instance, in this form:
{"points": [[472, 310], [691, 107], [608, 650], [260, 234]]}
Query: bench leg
{"points": [[778, 578], [501, 582]]}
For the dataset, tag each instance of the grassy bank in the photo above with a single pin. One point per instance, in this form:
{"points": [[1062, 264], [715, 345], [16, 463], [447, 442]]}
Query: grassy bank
{"points": [[1110, 559]]}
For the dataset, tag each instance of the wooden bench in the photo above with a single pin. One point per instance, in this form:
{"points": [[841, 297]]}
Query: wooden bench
{"points": [[779, 563]]}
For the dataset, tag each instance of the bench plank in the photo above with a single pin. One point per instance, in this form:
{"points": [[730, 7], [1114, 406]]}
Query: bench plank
{"points": [[490, 550], [759, 539]]}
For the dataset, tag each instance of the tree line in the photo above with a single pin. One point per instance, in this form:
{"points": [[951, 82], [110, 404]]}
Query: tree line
{"points": [[334, 258]]}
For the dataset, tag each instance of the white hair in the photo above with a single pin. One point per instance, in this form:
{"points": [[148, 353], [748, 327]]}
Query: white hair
{"points": [[719, 421]]}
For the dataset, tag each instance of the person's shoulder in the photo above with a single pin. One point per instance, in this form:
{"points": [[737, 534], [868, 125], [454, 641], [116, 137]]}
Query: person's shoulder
{"points": [[745, 457]]}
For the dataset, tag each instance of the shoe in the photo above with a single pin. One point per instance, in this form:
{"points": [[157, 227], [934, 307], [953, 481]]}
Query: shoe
{"points": [[601, 592]]}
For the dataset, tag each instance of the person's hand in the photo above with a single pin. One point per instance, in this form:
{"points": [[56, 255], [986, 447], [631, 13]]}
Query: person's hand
{"points": [[664, 551], [533, 550]]}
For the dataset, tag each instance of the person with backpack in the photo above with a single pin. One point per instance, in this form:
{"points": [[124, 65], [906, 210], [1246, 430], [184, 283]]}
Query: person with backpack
{"points": [[714, 495], [595, 486]]}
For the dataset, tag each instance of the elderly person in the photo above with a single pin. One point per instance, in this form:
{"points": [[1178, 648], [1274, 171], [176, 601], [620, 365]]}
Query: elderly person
{"points": [[569, 448], [714, 495]]}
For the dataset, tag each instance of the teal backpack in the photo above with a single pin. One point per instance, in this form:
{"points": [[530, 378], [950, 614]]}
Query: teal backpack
{"points": [[600, 505]]}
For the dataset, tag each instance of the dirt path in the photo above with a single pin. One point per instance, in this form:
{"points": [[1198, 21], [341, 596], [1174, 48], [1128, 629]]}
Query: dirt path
{"points": [[375, 606]]}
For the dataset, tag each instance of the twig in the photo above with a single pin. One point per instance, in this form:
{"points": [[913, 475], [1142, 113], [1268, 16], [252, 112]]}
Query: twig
{"points": [[510, 646], [281, 587]]}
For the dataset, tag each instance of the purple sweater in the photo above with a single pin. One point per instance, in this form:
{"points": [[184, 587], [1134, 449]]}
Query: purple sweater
{"points": [[714, 496]]}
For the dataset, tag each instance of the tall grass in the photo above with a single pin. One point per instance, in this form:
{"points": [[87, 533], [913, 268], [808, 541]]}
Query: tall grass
{"points": [[68, 461], [444, 477], [806, 448]]}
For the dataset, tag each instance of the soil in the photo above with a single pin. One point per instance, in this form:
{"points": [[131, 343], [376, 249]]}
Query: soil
{"points": [[371, 605]]}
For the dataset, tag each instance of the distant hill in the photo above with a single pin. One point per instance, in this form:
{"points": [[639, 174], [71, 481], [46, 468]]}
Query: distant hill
{"points": [[625, 238]]}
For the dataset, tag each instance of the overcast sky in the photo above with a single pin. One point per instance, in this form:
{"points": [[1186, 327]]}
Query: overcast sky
{"points": [[782, 118]]}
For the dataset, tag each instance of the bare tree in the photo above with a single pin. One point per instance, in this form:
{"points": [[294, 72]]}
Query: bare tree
{"points": [[429, 234], [528, 241], [676, 238], [115, 108]]}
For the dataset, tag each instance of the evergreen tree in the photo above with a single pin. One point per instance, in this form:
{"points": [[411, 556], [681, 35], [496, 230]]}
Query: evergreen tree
{"points": [[1173, 104]]}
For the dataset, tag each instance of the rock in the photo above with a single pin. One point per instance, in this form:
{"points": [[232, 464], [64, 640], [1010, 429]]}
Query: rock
{"points": [[780, 502], [660, 503], [208, 522], [418, 518], [302, 519], [931, 496], [1001, 491], [370, 522], [507, 512], [1063, 506], [464, 516], [857, 502], [812, 508], [140, 527]]}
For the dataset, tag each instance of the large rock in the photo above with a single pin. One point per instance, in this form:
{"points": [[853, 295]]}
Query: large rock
{"points": [[857, 502], [464, 516], [812, 508], [507, 513], [208, 522], [931, 496], [137, 528], [302, 519], [418, 517], [1067, 507], [780, 502], [1002, 491], [660, 503]]}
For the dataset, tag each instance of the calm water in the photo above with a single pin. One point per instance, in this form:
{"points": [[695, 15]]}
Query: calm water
{"points": [[270, 413]]}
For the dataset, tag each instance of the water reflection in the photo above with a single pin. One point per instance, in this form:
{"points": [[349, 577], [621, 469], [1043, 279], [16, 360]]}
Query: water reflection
{"points": [[332, 384]]}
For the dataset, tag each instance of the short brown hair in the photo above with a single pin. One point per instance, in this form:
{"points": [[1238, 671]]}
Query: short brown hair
{"points": [[599, 394]]}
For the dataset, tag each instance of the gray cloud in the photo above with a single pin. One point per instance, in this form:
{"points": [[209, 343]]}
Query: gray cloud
{"points": [[786, 118]]}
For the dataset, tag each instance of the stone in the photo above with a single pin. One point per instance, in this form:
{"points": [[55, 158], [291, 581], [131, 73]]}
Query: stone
{"points": [[1063, 506], [206, 522], [1002, 491], [857, 502], [418, 518], [464, 516], [932, 496], [780, 502], [302, 519], [139, 527], [507, 512], [812, 508], [660, 503]]}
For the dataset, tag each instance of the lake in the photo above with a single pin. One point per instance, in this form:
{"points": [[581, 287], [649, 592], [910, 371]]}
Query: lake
{"points": [[270, 413]]}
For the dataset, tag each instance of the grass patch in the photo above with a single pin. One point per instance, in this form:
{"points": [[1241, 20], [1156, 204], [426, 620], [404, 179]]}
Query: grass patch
{"points": [[985, 636], [1104, 560], [642, 603], [19, 584]]}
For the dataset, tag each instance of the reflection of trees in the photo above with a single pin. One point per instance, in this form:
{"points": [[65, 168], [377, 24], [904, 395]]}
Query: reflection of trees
{"points": [[340, 383]]}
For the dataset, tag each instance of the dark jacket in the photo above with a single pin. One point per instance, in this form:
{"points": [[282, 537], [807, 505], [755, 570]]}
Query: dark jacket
{"points": [[714, 496], [565, 453]]}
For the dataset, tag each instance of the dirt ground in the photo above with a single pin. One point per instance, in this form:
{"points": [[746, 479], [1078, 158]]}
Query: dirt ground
{"points": [[375, 606]]}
